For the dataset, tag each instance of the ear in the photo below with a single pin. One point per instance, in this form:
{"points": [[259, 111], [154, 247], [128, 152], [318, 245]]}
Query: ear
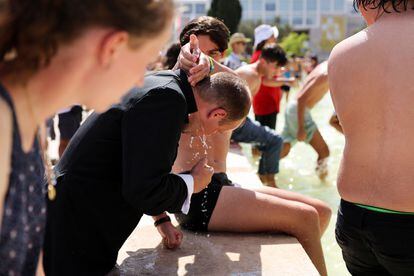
{"points": [[217, 114], [110, 47]]}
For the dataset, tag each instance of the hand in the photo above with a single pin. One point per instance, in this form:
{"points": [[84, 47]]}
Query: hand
{"points": [[171, 236], [201, 173], [193, 61], [301, 134]]}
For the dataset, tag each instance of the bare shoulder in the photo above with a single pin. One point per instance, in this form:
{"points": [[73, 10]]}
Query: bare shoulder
{"points": [[345, 55]]}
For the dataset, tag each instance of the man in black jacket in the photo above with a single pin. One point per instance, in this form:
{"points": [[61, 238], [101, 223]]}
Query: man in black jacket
{"points": [[118, 167]]}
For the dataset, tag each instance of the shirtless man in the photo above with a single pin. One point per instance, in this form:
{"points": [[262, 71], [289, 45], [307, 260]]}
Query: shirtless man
{"points": [[224, 207], [268, 65], [370, 76], [299, 125]]}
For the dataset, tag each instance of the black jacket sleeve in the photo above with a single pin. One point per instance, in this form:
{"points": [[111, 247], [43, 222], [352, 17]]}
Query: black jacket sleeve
{"points": [[151, 129]]}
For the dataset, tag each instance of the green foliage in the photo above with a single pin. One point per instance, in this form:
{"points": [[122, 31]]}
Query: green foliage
{"points": [[294, 43], [230, 11]]}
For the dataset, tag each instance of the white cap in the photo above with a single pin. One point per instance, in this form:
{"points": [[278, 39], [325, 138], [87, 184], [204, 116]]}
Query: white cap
{"points": [[264, 32]]}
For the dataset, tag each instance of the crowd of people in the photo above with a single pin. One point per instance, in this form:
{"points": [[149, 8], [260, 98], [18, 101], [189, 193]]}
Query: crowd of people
{"points": [[158, 137]]}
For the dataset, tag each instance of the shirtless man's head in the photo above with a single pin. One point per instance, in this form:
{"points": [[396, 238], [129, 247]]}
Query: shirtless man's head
{"points": [[272, 59], [223, 102], [372, 10]]}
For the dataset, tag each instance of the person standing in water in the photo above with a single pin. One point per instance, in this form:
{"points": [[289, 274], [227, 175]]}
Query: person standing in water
{"points": [[299, 125], [54, 54], [370, 76]]}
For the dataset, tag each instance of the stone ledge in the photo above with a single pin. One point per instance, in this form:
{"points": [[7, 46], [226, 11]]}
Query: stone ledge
{"points": [[216, 253]]}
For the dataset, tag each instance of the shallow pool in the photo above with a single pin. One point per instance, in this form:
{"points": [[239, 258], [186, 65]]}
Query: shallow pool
{"points": [[297, 174]]}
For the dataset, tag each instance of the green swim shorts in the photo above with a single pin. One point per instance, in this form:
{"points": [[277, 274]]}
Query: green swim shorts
{"points": [[290, 129]]}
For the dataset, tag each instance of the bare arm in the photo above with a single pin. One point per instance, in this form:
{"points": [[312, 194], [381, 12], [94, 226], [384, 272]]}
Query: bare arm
{"points": [[5, 149], [196, 63], [278, 82], [334, 122], [311, 83]]}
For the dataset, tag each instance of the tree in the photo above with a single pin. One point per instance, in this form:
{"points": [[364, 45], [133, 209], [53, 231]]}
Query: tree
{"points": [[294, 43], [227, 10]]}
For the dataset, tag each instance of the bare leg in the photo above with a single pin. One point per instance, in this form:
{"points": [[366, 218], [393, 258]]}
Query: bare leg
{"points": [[258, 212], [285, 150], [323, 209], [268, 180], [320, 146]]}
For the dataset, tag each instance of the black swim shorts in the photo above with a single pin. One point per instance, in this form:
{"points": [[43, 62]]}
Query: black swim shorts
{"points": [[375, 243], [203, 204]]}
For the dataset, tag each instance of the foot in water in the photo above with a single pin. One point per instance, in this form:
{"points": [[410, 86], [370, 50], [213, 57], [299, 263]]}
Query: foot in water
{"points": [[322, 169]]}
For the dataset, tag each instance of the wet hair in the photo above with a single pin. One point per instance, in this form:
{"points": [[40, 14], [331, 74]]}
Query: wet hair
{"points": [[207, 25], [397, 5], [229, 92], [274, 53], [171, 55], [31, 31]]}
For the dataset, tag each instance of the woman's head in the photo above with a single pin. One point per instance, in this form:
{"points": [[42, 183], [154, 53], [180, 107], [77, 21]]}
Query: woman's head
{"points": [[34, 33]]}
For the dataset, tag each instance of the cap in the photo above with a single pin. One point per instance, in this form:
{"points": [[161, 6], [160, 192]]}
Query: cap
{"points": [[264, 32]]}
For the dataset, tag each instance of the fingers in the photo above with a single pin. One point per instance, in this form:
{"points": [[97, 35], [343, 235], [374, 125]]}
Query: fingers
{"points": [[193, 42]]}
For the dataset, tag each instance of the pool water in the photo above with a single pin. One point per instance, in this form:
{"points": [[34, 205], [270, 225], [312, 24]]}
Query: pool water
{"points": [[297, 173]]}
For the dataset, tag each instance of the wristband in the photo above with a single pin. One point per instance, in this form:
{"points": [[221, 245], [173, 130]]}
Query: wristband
{"points": [[162, 220], [211, 65]]}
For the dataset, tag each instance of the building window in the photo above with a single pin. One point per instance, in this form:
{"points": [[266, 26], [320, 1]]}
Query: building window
{"points": [[326, 5], [270, 6], [257, 5], [339, 5], [311, 19], [270, 18], [187, 8], [311, 5], [284, 19], [200, 8], [297, 20], [297, 5], [284, 5]]}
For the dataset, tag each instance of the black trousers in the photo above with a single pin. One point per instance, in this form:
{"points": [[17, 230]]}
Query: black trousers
{"points": [[375, 243], [268, 120]]}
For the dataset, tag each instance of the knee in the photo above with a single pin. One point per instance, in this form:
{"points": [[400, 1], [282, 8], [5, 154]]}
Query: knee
{"points": [[325, 213], [307, 219], [324, 153], [285, 150]]}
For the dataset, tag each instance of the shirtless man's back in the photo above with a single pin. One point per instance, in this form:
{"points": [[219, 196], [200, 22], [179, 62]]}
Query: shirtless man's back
{"points": [[370, 78]]}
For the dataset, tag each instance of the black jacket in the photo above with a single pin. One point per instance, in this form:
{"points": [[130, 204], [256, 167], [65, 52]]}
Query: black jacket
{"points": [[116, 168]]}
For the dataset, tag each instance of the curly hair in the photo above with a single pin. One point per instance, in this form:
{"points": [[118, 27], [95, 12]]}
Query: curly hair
{"points": [[207, 25], [397, 5], [31, 31]]}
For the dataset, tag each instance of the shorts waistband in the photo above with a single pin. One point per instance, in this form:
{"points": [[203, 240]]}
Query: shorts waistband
{"points": [[383, 210], [375, 209]]}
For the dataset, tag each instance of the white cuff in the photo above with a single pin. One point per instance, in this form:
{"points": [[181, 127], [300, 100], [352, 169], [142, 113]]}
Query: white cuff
{"points": [[189, 181]]}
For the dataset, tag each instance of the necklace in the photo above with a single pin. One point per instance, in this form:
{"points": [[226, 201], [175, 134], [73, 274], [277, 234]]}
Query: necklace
{"points": [[50, 173]]}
